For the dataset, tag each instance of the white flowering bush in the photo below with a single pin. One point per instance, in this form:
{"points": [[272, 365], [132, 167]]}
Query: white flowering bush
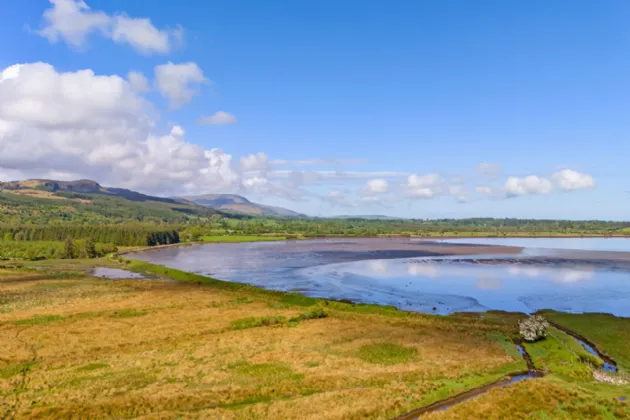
{"points": [[533, 328]]}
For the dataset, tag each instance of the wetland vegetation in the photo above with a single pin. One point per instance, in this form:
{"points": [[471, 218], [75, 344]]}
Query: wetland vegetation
{"points": [[184, 345]]}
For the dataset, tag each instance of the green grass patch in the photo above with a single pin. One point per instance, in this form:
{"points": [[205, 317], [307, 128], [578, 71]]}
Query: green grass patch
{"points": [[267, 371], [242, 300], [253, 322], [386, 353], [40, 320], [316, 313], [559, 353], [129, 313], [246, 402], [507, 345], [609, 333], [16, 369], [298, 300]]}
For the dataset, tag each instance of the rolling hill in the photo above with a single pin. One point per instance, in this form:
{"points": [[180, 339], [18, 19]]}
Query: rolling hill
{"points": [[42, 201], [232, 203]]}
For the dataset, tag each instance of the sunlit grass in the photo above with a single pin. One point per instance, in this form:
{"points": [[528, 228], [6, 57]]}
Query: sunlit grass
{"points": [[609, 333], [199, 347]]}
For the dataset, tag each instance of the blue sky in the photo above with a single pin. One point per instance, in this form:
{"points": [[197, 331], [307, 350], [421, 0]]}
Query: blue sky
{"points": [[418, 109]]}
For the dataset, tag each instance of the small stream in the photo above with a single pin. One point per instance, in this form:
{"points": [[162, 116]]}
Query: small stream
{"points": [[608, 366], [532, 372], [476, 392]]}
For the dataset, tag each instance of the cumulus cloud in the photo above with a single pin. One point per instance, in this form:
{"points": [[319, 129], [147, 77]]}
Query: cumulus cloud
{"points": [[142, 35], [218, 118], [80, 124], [532, 184], [179, 82], [72, 21], [570, 180], [138, 82], [424, 186], [375, 187], [255, 162]]}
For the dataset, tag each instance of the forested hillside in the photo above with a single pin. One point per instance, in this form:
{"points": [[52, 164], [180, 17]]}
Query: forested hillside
{"points": [[41, 207]]}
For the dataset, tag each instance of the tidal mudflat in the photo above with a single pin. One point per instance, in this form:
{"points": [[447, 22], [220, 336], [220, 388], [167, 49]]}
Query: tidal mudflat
{"points": [[421, 275]]}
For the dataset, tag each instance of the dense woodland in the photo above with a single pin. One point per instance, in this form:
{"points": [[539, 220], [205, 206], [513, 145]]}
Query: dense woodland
{"points": [[122, 235]]}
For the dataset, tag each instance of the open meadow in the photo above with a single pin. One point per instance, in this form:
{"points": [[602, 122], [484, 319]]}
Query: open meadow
{"points": [[179, 345]]}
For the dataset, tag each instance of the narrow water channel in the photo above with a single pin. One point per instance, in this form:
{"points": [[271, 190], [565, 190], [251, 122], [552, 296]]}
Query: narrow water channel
{"points": [[476, 392]]}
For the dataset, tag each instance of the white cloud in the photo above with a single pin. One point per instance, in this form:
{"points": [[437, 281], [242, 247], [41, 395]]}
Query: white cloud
{"points": [[142, 35], [375, 187], [255, 182], [570, 180], [84, 125], [218, 118], [485, 189], [72, 21], [459, 192], [138, 82], [177, 131], [532, 184], [424, 186], [179, 82], [255, 162]]}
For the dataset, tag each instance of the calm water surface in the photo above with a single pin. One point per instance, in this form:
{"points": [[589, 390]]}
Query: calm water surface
{"points": [[420, 284], [590, 244]]}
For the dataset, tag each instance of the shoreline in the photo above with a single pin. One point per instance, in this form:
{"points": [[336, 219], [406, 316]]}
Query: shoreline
{"points": [[435, 238]]}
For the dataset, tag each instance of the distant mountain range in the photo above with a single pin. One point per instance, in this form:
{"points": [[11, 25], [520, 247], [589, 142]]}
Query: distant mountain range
{"points": [[225, 203], [38, 187], [232, 203]]}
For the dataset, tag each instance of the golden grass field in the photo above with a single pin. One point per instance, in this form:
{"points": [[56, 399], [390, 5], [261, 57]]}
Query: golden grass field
{"points": [[75, 346]]}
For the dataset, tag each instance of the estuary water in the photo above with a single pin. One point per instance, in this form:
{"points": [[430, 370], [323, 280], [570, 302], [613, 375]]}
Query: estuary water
{"points": [[421, 276]]}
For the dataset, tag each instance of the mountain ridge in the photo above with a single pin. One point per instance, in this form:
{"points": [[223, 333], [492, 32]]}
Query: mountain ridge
{"points": [[233, 203]]}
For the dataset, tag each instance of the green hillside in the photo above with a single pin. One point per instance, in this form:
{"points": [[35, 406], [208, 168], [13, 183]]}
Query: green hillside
{"points": [[43, 202]]}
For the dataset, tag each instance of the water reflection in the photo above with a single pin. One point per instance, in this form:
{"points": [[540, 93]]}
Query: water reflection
{"points": [[427, 284], [490, 283], [418, 283]]}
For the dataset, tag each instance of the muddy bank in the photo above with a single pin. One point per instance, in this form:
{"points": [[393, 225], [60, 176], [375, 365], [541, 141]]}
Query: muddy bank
{"points": [[355, 249]]}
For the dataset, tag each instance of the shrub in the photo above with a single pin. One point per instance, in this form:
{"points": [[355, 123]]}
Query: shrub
{"points": [[533, 328]]}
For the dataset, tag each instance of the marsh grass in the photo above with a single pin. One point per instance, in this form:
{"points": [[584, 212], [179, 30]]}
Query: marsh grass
{"points": [[386, 353], [610, 334], [254, 322], [129, 313], [560, 354], [12, 370], [40, 320], [176, 352]]}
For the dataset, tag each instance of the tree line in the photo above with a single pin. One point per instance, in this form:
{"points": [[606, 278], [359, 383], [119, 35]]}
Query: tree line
{"points": [[120, 235]]}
